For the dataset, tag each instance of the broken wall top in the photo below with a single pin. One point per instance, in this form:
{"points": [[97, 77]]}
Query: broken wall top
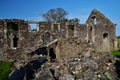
{"points": [[12, 20], [97, 18]]}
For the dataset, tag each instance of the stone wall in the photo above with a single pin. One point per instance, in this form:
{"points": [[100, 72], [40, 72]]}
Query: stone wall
{"points": [[16, 34], [102, 31], [69, 47]]}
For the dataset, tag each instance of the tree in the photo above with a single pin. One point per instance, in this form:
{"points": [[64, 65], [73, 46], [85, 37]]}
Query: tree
{"points": [[55, 15], [74, 20]]}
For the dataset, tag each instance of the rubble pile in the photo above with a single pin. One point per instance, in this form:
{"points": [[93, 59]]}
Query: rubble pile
{"points": [[93, 66], [75, 60], [87, 65]]}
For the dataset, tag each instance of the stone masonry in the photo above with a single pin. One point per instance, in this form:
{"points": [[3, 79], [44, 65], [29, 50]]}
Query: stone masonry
{"points": [[15, 34]]}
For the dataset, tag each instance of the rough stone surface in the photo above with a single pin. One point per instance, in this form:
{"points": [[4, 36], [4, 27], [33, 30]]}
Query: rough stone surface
{"points": [[16, 37], [69, 47], [87, 65], [73, 57], [45, 75]]}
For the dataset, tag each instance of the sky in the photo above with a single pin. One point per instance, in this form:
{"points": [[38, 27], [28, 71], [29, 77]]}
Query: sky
{"points": [[33, 9]]}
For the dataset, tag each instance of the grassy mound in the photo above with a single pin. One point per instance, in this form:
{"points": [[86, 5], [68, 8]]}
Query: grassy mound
{"points": [[5, 69]]}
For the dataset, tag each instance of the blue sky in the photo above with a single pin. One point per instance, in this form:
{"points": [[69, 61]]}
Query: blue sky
{"points": [[32, 9]]}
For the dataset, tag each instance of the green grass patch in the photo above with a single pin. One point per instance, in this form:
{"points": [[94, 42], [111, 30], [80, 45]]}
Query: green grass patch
{"points": [[5, 69], [116, 53]]}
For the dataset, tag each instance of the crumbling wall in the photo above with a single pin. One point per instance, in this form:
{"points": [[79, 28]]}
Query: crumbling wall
{"points": [[82, 32], [69, 47], [98, 30], [103, 33], [100, 37], [23, 34], [12, 28], [1, 33]]}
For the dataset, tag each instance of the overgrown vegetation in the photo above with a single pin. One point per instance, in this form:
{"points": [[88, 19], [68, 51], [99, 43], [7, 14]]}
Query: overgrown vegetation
{"points": [[116, 53], [5, 69]]}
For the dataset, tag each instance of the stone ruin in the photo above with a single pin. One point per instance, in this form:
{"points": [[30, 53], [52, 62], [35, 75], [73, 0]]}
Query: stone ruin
{"points": [[78, 49], [16, 36]]}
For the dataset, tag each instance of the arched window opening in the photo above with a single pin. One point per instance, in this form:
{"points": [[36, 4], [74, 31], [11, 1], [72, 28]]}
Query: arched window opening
{"points": [[105, 35], [94, 20]]}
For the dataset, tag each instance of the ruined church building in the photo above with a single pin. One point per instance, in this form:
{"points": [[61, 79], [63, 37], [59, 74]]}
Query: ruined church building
{"points": [[98, 30]]}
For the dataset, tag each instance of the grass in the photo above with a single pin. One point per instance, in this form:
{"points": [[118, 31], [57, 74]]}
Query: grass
{"points": [[5, 69], [116, 53]]}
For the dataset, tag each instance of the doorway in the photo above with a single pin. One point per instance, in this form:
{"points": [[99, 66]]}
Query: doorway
{"points": [[106, 46], [52, 54]]}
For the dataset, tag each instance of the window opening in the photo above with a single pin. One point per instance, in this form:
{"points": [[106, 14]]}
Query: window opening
{"points": [[105, 35], [33, 27], [71, 27], [94, 20]]}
